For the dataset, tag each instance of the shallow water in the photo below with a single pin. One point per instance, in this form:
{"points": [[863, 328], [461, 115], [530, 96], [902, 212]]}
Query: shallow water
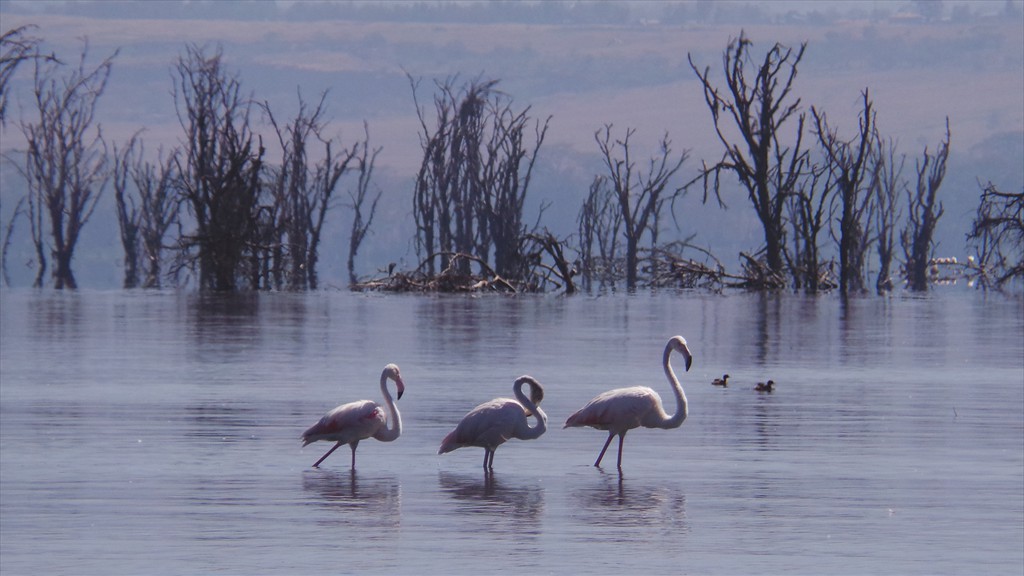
{"points": [[158, 434]]}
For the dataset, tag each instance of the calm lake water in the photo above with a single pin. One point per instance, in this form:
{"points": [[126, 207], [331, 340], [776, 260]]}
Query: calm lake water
{"points": [[158, 433]]}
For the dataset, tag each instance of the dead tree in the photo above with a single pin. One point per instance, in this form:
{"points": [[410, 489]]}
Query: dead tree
{"points": [[759, 108], [471, 186], [219, 170], [505, 180], [155, 183], [599, 223], [810, 212], [16, 47], [128, 214], [997, 234], [147, 207], [923, 212], [66, 165], [640, 196], [301, 191], [358, 195], [886, 186], [848, 161]]}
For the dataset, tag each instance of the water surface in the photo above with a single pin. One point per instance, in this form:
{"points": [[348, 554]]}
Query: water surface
{"points": [[157, 433]]}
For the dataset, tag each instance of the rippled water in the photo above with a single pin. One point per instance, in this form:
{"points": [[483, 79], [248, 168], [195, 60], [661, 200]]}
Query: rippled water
{"points": [[158, 434]]}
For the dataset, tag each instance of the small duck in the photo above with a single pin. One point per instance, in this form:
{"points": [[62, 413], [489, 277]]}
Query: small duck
{"points": [[723, 381], [762, 387]]}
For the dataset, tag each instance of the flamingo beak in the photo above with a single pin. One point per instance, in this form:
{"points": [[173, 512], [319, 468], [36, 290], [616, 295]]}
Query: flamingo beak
{"points": [[401, 387], [689, 360]]}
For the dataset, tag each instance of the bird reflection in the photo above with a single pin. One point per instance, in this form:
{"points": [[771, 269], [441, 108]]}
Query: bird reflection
{"points": [[617, 501], [488, 495], [370, 500]]}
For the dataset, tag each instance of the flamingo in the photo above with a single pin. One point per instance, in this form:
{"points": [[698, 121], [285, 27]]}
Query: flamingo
{"points": [[619, 411], [490, 424], [355, 421], [723, 381], [762, 387]]}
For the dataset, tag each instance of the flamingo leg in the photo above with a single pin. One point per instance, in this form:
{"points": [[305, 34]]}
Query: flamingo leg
{"points": [[622, 437], [354, 444], [324, 457], [605, 449]]}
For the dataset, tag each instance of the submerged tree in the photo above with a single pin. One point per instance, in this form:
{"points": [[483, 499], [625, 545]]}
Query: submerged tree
{"points": [[66, 165], [886, 186], [147, 207], [128, 217], [361, 222], [640, 196], [301, 191], [599, 222], [768, 168], [924, 211], [847, 162], [471, 187], [997, 234], [219, 169], [809, 209]]}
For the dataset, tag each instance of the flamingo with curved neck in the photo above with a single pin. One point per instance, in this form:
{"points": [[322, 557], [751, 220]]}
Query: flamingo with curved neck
{"points": [[619, 411], [490, 424], [355, 421]]}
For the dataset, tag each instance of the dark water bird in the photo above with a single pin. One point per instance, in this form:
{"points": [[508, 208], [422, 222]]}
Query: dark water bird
{"points": [[490, 424], [355, 421], [619, 411], [762, 387], [723, 381]]}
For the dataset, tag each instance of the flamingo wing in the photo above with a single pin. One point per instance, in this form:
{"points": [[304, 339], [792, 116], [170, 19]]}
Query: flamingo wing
{"points": [[616, 410], [347, 423]]}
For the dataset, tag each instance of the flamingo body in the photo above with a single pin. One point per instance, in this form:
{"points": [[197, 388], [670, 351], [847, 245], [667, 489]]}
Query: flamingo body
{"points": [[348, 423], [620, 410], [492, 423], [359, 420]]}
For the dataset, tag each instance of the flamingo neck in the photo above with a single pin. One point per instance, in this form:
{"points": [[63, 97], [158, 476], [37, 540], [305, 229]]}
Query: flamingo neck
{"points": [[394, 427], [676, 419], [531, 432]]}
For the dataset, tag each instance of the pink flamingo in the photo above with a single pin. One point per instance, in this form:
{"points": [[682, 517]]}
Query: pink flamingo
{"points": [[619, 411], [490, 424], [355, 421]]}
